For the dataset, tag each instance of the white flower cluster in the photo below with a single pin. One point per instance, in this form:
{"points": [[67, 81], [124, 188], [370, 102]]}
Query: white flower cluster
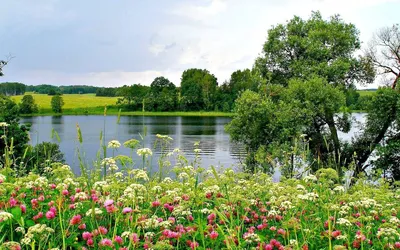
{"points": [[140, 174], [41, 182], [167, 180], [388, 232], [183, 176], [2, 178], [343, 221], [40, 230], [164, 137], [287, 205], [96, 211], [339, 189], [134, 191], [156, 189], [81, 196], [308, 196], [149, 223], [4, 216], [300, 187], [310, 178], [4, 124], [111, 163], [114, 144], [70, 182], [211, 189], [180, 210], [132, 143], [394, 221], [144, 152], [251, 237], [100, 185], [125, 234], [65, 167]]}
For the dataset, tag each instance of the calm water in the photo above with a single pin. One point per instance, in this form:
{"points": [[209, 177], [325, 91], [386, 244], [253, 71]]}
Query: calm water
{"points": [[185, 131], [215, 143]]}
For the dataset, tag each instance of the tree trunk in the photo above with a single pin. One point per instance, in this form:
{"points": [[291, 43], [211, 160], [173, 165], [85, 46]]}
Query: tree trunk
{"points": [[336, 142]]}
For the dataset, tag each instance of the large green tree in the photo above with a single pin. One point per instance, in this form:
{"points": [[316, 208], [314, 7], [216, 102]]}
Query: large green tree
{"points": [[198, 89], [313, 61], [162, 95], [303, 48]]}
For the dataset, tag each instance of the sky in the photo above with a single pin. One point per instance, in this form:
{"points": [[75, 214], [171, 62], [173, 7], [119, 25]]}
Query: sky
{"points": [[123, 42]]}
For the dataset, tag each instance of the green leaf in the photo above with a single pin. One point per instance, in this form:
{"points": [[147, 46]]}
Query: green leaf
{"points": [[30, 223], [119, 116], [16, 212]]}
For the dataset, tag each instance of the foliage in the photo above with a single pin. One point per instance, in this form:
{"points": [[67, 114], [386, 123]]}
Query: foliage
{"points": [[229, 91], [73, 89], [41, 155], [12, 88], [381, 125], [2, 64], [162, 95], [198, 90], [28, 105], [14, 136], [313, 60], [53, 92], [106, 91], [132, 96], [283, 114], [303, 48], [388, 158], [57, 103]]}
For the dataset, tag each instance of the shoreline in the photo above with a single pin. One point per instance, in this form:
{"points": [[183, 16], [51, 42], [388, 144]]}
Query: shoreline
{"points": [[114, 112]]}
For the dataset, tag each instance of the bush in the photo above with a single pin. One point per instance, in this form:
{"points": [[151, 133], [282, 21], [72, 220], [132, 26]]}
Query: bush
{"points": [[14, 136], [57, 103], [42, 155], [28, 105]]}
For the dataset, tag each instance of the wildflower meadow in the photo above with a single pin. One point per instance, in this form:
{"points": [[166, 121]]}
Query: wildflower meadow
{"points": [[118, 204]]}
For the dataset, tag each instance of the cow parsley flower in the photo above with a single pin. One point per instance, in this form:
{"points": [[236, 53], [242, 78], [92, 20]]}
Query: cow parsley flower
{"points": [[114, 144], [132, 143], [4, 216], [144, 152]]}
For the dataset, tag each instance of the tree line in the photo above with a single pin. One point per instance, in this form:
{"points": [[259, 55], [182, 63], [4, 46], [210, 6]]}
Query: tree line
{"points": [[199, 91]]}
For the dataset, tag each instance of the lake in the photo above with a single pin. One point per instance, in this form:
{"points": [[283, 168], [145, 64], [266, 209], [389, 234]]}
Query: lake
{"points": [[216, 147]]}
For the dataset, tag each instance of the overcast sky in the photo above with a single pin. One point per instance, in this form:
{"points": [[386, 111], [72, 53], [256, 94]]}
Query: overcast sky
{"points": [[112, 43]]}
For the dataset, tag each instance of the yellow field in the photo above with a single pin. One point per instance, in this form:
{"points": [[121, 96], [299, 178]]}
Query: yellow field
{"points": [[71, 101]]}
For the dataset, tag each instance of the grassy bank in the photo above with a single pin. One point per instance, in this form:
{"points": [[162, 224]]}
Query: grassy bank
{"points": [[90, 104]]}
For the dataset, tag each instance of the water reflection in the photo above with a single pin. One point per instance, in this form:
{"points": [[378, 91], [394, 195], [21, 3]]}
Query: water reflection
{"points": [[209, 131]]}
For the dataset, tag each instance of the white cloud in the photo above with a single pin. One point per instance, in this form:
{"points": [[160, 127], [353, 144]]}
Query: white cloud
{"points": [[101, 79], [200, 12]]}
